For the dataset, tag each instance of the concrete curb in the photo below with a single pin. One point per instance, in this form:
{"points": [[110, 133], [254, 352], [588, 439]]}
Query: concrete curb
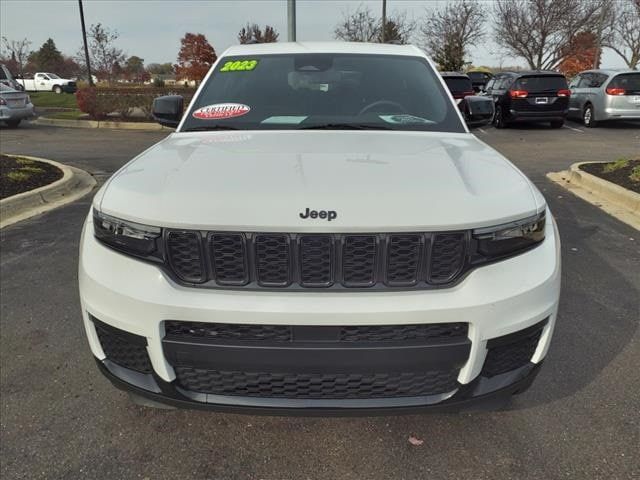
{"points": [[74, 184], [60, 122], [613, 199]]}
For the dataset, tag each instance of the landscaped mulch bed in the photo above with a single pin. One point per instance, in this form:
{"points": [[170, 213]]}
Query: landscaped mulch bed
{"points": [[19, 175], [625, 173]]}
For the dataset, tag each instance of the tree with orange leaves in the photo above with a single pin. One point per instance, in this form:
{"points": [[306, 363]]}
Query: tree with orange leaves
{"points": [[579, 55], [195, 58]]}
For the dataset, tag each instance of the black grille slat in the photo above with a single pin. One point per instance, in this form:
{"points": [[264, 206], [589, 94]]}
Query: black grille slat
{"points": [[273, 261], [447, 257], [403, 259], [229, 259], [229, 331], [359, 254], [316, 385], [316, 261], [184, 250], [396, 333]]}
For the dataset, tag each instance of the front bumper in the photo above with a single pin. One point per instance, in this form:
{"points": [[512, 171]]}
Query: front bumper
{"points": [[506, 300]]}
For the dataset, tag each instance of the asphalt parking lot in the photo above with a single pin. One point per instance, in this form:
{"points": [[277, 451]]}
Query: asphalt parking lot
{"points": [[61, 419]]}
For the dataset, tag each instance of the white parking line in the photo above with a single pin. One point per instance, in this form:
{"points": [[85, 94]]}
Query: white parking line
{"points": [[574, 129], [481, 130]]}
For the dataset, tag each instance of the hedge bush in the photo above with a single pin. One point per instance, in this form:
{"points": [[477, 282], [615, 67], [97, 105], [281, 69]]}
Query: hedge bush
{"points": [[99, 102]]}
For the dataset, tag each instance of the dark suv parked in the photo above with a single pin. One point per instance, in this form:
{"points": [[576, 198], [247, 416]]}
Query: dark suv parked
{"points": [[458, 84], [530, 96]]}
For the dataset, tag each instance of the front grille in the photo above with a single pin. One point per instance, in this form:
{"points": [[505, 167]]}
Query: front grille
{"points": [[287, 333], [317, 261], [316, 385], [511, 351], [123, 348]]}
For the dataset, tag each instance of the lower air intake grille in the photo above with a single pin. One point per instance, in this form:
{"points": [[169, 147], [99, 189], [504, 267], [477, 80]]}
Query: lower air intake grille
{"points": [[319, 386], [512, 351], [398, 333], [123, 348]]}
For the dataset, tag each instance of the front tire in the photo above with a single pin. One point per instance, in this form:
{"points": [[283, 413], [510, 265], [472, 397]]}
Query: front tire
{"points": [[13, 123], [498, 118], [57, 89], [557, 123], [587, 117]]}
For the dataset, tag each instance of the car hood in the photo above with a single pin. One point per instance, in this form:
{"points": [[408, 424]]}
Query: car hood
{"points": [[374, 181]]}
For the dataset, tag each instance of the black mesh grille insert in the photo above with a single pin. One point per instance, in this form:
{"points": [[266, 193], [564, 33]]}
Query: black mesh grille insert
{"points": [[229, 258], [279, 260], [311, 385], [403, 259], [272, 260], [510, 356], [229, 331], [395, 333], [316, 255], [359, 260], [447, 256], [185, 255], [123, 348]]}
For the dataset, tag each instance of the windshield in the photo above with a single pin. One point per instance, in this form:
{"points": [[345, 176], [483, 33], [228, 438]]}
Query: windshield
{"points": [[630, 82], [339, 91], [543, 83], [52, 75], [458, 84]]}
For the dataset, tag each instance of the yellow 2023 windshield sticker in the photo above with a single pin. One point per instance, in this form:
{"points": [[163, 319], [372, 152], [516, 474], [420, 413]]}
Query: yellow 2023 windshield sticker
{"points": [[239, 66]]}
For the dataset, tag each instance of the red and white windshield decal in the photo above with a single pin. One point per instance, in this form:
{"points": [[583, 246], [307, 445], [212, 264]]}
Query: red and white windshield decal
{"points": [[221, 110]]}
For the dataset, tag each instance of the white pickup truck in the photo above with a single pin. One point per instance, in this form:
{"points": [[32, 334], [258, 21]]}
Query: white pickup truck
{"points": [[47, 82]]}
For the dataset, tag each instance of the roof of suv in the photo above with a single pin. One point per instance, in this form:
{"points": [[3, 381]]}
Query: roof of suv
{"points": [[323, 47], [531, 72], [610, 71], [453, 74]]}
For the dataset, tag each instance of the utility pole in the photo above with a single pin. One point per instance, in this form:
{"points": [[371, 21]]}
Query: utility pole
{"points": [[86, 48], [384, 20], [291, 20]]}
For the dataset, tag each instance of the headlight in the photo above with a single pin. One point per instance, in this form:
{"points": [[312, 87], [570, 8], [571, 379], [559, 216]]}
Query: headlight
{"points": [[128, 237], [510, 238]]}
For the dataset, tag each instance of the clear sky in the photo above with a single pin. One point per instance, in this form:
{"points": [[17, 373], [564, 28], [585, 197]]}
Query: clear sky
{"points": [[152, 29]]}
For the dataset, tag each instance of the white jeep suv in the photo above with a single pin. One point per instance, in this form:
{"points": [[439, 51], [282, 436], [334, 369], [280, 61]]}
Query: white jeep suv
{"points": [[322, 233]]}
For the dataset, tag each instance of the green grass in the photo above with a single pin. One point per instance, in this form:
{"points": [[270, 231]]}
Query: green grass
{"points": [[617, 165], [69, 115], [18, 176], [635, 174], [53, 100]]}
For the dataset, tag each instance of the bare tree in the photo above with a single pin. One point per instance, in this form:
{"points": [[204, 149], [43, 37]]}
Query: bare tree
{"points": [[104, 54], [18, 50], [538, 30], [364, 26], [253, 33], [449, 31], [624, 38]]}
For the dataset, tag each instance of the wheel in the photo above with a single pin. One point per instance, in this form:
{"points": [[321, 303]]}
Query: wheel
{"points": [[498, 119], [587, 117], [13, 123], [556, 123], [57, 89]]}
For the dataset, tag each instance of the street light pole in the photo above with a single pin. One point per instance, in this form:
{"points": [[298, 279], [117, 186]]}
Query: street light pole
{"points": [[86, 48], [384, 20], [291, 20]]}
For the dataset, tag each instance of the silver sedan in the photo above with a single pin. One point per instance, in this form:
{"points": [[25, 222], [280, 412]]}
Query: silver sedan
{"points": [[15, 106]]}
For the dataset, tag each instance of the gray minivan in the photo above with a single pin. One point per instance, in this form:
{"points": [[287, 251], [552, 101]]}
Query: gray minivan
{"points": [[602, 95]]}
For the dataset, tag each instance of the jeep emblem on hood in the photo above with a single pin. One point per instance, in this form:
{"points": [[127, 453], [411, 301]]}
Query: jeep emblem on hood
{"points": [[323, 214]]}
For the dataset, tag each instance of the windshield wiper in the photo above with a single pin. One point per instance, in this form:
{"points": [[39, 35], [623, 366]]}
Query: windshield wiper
{"points": [[205, 128], [345, 126]]}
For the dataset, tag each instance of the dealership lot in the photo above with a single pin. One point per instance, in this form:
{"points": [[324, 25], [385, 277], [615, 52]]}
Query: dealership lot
{"points": [[61, 419]]}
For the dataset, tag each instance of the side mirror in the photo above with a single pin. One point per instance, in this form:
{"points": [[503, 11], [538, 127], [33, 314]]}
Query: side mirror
{"points": [[168, 110], [477, 111]]}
